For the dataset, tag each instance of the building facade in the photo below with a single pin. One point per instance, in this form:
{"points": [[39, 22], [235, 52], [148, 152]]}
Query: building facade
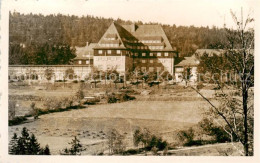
{"points": [[130, 47]]}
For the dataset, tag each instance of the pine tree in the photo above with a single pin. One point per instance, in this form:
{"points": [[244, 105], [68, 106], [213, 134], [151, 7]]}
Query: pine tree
{"points": [[13, 144], [33, 146], [45, 151], [26, 145], [75, 149]]}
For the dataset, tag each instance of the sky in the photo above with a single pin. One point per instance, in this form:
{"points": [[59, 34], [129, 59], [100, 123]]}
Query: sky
{"points": [[178, 12]]}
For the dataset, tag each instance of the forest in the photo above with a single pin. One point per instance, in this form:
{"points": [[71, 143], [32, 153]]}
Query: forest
{"points": [[39, 39]]}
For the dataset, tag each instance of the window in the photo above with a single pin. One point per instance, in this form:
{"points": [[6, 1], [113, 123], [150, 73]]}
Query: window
{"points": [[143, 54], [151, 69], [118, 52], [99, 51], [143, 61], [159, 54], [143, 69], [151, 61], [166, 54], [151, 54], [108, 51], [87, 61], [79, 62]]}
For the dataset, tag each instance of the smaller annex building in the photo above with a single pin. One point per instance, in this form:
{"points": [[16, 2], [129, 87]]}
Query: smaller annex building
{"points": [[84, 55]]}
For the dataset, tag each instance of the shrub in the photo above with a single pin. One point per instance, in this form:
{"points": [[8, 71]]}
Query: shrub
{"points": [[11, 109], [111, 99], [200, 85], [80, 94], [116, 142], [35, 110], [186, 136], [17, 120], [219, 134], [131, 151], [149, 141]]}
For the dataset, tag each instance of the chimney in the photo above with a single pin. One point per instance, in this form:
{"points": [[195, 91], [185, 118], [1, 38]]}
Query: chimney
{"points": [[87, 43], [133, 27]]}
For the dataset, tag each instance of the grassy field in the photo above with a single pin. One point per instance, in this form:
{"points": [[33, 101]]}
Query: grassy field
{"points": [[164, 112]]}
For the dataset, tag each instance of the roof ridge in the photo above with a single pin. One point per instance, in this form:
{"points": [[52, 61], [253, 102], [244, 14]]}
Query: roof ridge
{"points": [[114, 23]]}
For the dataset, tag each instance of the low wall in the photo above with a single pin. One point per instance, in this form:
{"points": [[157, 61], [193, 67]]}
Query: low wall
{"points": [[37, 72]]}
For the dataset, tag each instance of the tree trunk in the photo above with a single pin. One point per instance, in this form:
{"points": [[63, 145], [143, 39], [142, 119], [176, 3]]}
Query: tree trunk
{"points": [[245, 109]]}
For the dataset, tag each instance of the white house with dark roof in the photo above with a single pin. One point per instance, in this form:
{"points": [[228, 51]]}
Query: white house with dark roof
{"points": [[187, 69], [84, 55]]}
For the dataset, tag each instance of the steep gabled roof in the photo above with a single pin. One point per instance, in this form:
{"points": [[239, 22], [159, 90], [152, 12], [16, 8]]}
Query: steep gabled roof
{"points": [[81, 51], [188, 61], [133, 34], [145, 32], [112, 31]]}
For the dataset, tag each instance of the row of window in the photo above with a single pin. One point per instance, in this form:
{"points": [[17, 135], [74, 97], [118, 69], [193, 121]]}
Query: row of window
{"points": [[107, 58], [80, 62], [142, 41], [144, 69], [154, 61], [109, 45], [110, 38], [151, 41], [109, 51], [146, 47], [158, 54]]}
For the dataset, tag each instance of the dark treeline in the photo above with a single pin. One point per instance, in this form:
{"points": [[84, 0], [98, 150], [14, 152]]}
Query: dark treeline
{"points": [[30, 34]]}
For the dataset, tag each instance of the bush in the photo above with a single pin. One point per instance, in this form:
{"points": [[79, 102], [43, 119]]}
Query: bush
{"points": [[219, 134], [200, 85], [11, 109], [186, 136], [149, 141], [17, 120], [111, 99], [132, 151], [116, 142]]}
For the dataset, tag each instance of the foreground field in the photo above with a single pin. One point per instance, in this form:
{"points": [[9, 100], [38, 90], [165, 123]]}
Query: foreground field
{"points": [[93, 123], [163, 112]]}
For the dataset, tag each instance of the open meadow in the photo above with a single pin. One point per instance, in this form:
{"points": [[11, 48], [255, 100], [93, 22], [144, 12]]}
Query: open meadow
{"points": [[163, 114]]}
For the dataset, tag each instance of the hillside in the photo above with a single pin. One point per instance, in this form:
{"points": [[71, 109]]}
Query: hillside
{"points": [[35, 31]]}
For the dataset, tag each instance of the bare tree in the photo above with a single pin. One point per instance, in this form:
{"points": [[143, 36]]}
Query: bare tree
{"points": [[235, 97]]}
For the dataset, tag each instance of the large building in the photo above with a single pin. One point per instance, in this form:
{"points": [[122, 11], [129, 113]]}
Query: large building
{"points": [[130, 47]]}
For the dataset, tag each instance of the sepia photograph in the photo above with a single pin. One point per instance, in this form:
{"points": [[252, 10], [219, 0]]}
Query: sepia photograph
{"points": [[128, 78]]}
